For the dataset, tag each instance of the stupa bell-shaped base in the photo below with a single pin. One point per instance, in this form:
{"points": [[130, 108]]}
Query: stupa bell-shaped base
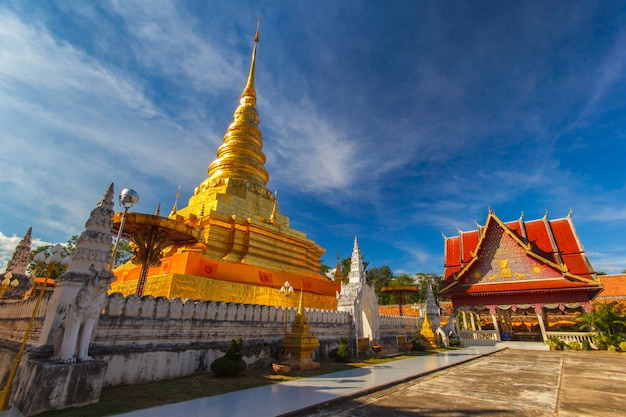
{"points": [[299, 352]]}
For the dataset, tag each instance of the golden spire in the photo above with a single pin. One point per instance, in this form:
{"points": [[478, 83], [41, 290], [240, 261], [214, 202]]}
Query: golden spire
{"points": [[240, 156], [338, 277], [301, 303], [249, 93], [175, 208], [158, 210]]}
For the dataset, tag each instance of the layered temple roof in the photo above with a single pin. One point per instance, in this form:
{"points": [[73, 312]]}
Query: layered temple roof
{"points": [[537, 255]]}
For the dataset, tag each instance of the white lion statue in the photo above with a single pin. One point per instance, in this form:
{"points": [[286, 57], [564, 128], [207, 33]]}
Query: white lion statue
{"points": [[81, 318]]}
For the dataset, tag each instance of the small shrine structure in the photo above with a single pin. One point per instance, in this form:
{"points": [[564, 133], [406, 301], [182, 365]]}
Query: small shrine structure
{"points": [[17, 266], [507, 277], [359, 299], [300, 343]]}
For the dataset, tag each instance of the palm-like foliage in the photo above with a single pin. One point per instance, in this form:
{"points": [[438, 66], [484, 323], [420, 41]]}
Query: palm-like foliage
{"points": [[607, 320]]}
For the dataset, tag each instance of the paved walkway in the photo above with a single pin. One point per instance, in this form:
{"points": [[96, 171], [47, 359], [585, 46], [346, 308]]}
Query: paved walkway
{"points": [[485, 382], [302, 394], [288, 397], [512, 383]]}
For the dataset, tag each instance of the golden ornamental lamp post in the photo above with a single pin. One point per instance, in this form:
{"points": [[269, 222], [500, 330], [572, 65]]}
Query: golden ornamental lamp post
{"points": [[7, 282], [286, 290], [51, 261]]}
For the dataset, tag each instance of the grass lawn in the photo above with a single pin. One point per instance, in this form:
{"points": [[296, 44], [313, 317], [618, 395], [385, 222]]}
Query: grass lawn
{"points": [[125, 398]]}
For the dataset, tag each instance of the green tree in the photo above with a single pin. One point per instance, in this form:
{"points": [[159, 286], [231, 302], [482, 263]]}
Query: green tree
{"points": [[607, 320], [124, 252], [422, 279], [380, 277], [345, 268]]}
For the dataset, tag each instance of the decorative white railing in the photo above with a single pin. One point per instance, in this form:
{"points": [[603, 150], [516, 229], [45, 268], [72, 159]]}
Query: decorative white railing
{"points": [[569, 337], [24, 309], [479, 335], [397, 321], [134, 306]]}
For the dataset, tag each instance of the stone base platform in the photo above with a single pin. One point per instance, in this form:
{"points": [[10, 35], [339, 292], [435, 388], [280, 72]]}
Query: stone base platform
{"points": [[47, 386]]}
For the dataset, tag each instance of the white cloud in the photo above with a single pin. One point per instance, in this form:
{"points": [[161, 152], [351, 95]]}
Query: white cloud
{"points": [[71, 124], [306, 150], [170, 42]]}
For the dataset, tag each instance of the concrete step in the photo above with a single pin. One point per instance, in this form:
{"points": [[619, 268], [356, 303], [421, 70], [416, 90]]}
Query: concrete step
{"points": [[523, 345]]}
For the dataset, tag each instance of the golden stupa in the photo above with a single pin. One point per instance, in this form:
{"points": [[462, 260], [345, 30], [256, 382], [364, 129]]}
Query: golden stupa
{"points": [[247, 250]]}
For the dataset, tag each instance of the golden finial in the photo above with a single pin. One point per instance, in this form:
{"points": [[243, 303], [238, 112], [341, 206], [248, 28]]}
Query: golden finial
{"points": [[249, 94], [158, 210]]}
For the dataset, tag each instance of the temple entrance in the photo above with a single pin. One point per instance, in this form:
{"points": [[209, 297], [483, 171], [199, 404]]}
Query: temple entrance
{"points": [[519, 323], [369, 327]]}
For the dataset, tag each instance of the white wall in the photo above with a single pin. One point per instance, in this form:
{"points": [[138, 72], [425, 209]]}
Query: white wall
{"points": [[146, 339]]}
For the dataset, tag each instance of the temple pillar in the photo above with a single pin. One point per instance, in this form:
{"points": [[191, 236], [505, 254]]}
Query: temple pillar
{"points": [[457, 326], [464, 320], [472, 320], [455, 321], [494, 319], [480, 327], [540, 314]]}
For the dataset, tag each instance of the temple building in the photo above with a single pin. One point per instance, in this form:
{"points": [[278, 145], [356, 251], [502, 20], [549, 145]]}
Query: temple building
{"points": [[247, 249], [519, 279]]}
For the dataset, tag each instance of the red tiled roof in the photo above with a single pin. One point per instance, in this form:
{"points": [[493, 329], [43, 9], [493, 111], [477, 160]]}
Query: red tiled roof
{"points": [[565, 236], [538, 236], [614, 286], [470, 242], [394, 310], [452, 261]]}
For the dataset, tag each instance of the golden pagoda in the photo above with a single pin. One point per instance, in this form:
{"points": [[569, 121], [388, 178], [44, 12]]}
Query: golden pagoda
{"points": [[300, 343], [247, 250]]}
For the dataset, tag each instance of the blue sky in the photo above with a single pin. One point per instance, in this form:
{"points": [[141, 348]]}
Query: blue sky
{"points": [[391, 121]]}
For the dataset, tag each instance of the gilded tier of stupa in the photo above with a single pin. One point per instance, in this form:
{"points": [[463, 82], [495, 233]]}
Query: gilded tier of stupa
{"points": [[248, 250]]}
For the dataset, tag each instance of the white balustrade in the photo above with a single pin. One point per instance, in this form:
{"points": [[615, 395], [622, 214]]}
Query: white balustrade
{"points": [[569, 337], [479, 335]]}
